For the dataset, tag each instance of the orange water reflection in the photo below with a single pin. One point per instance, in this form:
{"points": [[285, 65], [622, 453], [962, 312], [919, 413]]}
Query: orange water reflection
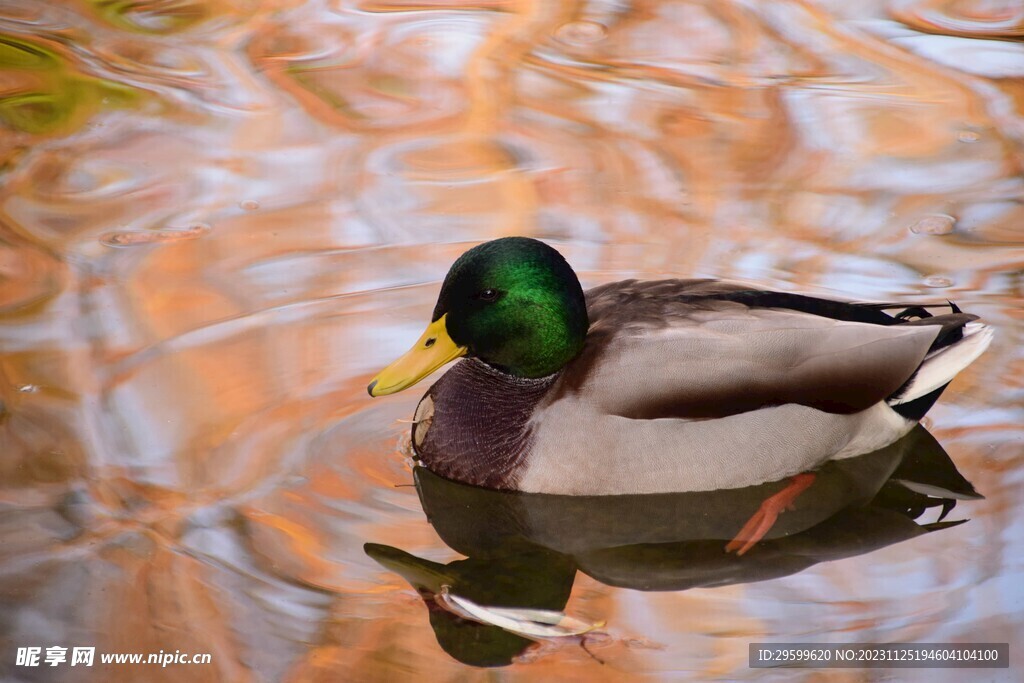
{"points": [[218, 219]]}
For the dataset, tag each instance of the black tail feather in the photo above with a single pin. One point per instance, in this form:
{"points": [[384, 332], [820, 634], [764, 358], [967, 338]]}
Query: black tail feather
{"points": [[951, 328], [916, 409], [919, 312]]}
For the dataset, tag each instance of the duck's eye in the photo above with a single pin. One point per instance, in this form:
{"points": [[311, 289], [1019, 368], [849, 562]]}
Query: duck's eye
{"points": [[487, 295]]}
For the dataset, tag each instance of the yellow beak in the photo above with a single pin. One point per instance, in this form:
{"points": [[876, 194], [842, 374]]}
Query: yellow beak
{"points": [[432, 350]]}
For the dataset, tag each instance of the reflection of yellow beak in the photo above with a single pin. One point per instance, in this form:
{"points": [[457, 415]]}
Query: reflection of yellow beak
{"points": [[432, 350]]}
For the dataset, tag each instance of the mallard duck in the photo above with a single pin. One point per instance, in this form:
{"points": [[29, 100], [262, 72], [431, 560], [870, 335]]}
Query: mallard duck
{"points": [[661, 386]]}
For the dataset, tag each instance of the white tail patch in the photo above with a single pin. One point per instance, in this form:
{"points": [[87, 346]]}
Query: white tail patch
{"points": [[938, 491], [939, 367]]}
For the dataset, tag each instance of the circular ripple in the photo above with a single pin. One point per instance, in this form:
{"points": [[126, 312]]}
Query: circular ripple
{"points": [[26, 277], [581, 33], [982, 18], [138, 238], [450, 159], [287, 44], [934, 224], [157, 17], [38, 15], [938, 281], [152, 58], [88, 179]]}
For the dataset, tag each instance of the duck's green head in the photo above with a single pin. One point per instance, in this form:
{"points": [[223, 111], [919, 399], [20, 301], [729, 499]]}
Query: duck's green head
{"points": [[514, 303]]}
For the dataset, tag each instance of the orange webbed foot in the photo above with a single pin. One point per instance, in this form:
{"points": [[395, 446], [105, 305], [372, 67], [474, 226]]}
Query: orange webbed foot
{"points": [[762, 521]]}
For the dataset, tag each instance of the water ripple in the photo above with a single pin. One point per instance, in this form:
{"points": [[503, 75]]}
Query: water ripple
{"points": [[218, 219]]}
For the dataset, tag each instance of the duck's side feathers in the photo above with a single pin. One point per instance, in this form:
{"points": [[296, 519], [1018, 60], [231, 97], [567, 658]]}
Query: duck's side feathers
{"points": [[579, 451], [944, 363], [700, 350]]}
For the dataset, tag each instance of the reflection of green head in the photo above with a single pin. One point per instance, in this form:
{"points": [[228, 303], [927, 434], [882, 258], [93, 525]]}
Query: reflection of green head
{"points": [[527, 576], [516, 304]]}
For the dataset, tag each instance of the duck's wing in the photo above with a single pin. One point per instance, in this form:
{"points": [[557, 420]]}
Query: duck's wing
{"points": [[704, 349]]}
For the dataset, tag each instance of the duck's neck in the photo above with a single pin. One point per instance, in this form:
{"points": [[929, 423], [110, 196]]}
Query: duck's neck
{"points": [[473, 424]]}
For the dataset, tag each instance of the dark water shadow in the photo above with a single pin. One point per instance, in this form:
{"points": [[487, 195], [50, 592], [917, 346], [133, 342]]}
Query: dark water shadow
{"points": [[523, 550]]}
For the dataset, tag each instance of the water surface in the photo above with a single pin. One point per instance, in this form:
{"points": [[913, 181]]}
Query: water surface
{"points": [[219, 219]]}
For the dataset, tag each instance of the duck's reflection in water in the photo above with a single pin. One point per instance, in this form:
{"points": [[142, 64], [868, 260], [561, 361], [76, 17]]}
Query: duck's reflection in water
{"points": [[523, 550]]}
